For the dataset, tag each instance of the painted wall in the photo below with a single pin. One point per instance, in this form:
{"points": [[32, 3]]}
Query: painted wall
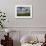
{"points": [[39, 13]]}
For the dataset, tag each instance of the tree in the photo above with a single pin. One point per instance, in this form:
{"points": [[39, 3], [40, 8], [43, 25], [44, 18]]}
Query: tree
{"points": [[2, 18]]}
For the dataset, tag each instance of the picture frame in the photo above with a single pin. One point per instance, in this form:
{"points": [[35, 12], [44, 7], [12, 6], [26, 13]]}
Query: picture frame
{"points": [[23, 11]]}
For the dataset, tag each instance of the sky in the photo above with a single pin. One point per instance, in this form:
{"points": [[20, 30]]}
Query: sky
{"points": [[23, 9]]}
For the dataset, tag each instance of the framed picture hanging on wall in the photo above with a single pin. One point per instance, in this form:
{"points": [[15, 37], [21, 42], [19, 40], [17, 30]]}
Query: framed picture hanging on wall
{"points": [[23, 11]]}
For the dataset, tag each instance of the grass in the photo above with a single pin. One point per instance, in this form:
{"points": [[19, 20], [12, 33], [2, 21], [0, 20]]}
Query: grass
{"points": [[23, 14]]}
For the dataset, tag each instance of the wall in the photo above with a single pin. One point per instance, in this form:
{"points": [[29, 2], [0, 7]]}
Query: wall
{"points": [[39, 13]]}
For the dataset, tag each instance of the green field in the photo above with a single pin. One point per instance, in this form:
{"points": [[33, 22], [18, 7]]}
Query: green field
{"points": [[23, 14]]}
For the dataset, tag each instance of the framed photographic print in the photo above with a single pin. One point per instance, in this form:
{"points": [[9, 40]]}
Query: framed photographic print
{"points": [[23, 11]]}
